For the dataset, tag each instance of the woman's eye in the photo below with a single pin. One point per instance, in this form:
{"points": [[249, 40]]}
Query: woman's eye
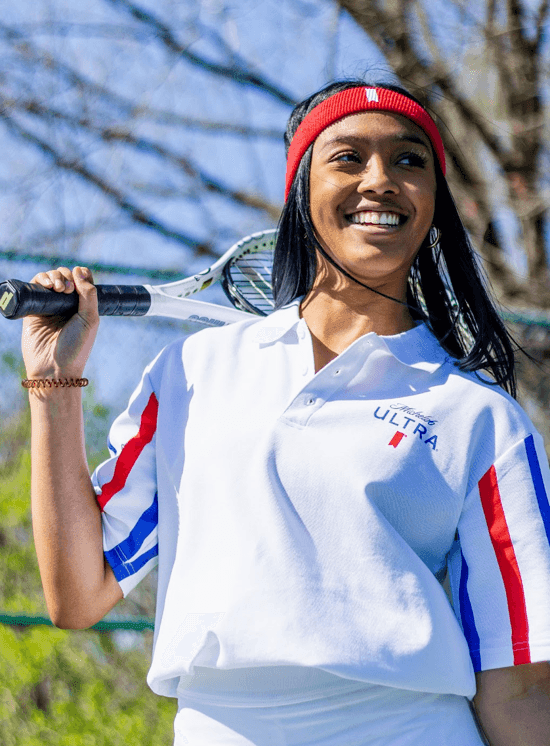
{"points": [[417, 160], [348, 157]]}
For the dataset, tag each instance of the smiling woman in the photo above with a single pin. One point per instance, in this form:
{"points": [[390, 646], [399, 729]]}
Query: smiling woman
{"points": [[398, 144], [305, 481]]}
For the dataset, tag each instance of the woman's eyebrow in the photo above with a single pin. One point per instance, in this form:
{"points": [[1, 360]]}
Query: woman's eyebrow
{"points": [[416, 139]]}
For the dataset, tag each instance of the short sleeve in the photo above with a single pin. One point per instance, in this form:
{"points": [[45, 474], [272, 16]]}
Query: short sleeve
{"points": [[126, 489], [500, 565]]}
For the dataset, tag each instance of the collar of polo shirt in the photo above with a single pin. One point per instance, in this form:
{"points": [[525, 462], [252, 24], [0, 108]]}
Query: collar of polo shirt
{"points": [[416, 348]]}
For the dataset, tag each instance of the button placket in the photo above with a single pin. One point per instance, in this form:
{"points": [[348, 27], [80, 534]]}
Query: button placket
{"points": [[324, 384]]}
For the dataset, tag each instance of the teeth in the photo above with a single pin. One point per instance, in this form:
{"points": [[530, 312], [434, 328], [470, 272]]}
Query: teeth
{"points": [[376, 218]]}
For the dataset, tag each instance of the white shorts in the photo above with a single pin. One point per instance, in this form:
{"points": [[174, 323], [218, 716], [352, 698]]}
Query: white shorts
{"points": [[345, 714]]}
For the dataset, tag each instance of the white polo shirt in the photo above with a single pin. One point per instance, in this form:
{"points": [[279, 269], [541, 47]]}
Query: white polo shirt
{"points": [[303, 519]]}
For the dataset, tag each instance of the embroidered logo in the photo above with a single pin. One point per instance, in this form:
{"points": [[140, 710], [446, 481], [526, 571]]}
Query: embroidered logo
{"points": [[407, 422], [414, 412]]}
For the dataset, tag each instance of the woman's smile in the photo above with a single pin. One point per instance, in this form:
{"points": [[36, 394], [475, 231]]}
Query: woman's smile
{"points": [[371, 217]]}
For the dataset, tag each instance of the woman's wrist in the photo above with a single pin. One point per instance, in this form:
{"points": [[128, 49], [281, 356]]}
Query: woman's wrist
{"points": [[53, 371]]}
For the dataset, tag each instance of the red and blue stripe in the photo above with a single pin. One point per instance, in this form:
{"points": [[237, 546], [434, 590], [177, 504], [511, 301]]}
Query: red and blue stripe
{"points": [[507, 561], [131, 452], [505, 554]]}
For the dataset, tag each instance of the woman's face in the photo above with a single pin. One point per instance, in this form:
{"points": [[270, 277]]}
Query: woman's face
{"points": [[372, 195]]}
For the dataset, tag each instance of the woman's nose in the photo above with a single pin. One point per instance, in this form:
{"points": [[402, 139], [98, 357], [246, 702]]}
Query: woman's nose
{"points": [[377, 177]]}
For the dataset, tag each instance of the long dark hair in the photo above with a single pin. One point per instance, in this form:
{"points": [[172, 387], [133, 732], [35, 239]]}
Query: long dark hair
{"points": [[447, 286]]}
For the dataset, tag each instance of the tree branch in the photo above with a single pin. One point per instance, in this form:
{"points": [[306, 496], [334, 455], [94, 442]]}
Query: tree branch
{"points": [[126, 137], [136, 213], [122, 104], [394, 41], [238, 73]]}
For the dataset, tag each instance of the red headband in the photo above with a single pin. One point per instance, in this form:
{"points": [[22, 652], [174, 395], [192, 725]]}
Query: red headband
{"points": [[353, 101]]}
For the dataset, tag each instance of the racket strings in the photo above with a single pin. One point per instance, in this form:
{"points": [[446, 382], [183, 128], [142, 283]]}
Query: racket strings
{"points": [[248, 279]]}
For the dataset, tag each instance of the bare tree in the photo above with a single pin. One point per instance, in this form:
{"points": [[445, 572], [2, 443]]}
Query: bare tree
{"points": [[67, 119]]}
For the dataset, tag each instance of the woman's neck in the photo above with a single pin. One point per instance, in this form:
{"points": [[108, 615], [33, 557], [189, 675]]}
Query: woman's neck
{"points": [[335, 321]]}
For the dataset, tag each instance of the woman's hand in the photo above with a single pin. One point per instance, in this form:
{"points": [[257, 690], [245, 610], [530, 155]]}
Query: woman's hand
{"points": [[59, 346]]}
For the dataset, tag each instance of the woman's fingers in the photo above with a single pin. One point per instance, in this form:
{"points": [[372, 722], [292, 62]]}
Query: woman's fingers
{"points": [[87, 291], [60, 279], [64, 280]]}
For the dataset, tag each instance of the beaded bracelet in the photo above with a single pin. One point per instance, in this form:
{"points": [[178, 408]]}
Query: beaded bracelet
{"points": [[36, 383]]}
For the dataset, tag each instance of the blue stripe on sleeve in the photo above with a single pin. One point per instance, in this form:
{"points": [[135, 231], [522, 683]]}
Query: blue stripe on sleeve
{"points": [[538, 482], [127, 548], [130, 568], [467, 616]]}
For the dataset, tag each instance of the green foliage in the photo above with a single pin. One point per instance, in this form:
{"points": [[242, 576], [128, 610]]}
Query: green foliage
{"points": [[71, 688], [20, 588], [61, 687]]}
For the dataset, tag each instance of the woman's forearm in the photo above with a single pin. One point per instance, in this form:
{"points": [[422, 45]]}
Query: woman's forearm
{"points": [[513, 705], [78, 586]]}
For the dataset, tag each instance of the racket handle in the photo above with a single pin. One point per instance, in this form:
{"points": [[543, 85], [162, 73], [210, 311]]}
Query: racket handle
{"points": [[18, 299]]}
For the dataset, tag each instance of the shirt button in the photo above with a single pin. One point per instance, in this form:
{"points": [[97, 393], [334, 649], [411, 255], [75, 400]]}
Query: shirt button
{"points": [[310, 401], [337, 372]]}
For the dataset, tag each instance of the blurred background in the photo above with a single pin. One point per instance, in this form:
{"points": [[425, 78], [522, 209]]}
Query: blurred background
{"points": [[143, 139]]}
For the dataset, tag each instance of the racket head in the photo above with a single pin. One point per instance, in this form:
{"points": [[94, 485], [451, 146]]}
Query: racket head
{"points": [[246, 277]]}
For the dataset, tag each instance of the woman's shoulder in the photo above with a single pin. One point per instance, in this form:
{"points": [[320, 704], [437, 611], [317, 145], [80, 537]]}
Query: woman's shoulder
{"points": [[494, 415], [219, 345], [472, 398]]}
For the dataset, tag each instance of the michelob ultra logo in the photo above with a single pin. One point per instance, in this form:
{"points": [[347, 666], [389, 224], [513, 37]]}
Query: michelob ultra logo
{"points": [[414, 423]]}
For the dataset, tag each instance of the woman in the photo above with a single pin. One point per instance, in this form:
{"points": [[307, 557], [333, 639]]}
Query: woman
{"points": [[304, 480]]}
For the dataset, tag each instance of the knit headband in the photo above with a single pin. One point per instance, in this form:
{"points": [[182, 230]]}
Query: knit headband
{"points": [[353, 101]]}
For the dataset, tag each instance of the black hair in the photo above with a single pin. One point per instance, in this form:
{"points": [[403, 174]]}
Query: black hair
{"points": [[447, 286]]}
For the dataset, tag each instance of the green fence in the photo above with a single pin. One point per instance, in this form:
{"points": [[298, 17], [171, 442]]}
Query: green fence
{"points": [[138, 624]]}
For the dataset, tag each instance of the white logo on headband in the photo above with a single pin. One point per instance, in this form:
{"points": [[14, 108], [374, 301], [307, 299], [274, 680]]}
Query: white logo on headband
{"points": [[372, 95]]}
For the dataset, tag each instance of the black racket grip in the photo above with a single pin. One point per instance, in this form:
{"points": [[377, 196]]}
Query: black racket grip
{"points": [[18, 299]]}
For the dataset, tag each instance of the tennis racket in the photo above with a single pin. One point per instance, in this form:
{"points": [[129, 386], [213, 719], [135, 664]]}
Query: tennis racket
{"points": [[244, 271]]}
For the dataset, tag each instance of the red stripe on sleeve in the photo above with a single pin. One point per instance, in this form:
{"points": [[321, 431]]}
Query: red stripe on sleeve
{"points": [[507, 562], [131, 452]]}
